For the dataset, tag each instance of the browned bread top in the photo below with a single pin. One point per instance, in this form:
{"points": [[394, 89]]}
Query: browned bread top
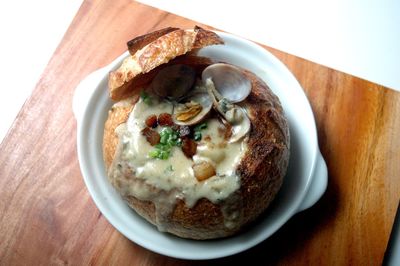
{"points": [[152, 50]]}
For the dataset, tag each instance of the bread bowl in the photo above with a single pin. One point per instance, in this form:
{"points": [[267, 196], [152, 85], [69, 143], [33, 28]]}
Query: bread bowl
{"points": [[254, 162]]}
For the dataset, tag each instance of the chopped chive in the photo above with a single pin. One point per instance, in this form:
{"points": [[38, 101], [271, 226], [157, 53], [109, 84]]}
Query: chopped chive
{"points": [[165, 155], [145, 97], [154, 153], [197, 135], [168, 139], [163, 139], [197, 131], [200, 127]]}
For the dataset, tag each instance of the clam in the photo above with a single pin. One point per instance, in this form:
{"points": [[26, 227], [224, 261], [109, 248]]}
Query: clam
{"points": [[234, 114], [193, 109], [241, 124], [229, 81], [173, 82]]}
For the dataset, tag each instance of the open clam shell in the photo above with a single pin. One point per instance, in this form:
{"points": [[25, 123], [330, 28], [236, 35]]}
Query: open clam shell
{"points": [[193, 109], [240, 125], [173, 82], [233, 114], [229, 81]]}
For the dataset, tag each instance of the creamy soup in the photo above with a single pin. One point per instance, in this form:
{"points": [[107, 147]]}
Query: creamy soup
{"points": [[162, 181]]}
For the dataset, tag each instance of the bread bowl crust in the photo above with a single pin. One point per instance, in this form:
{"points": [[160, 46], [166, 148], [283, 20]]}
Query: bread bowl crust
{"points": [[261, 170]]}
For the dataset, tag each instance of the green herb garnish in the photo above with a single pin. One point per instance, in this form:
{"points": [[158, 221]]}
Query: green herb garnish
{"points": [[145, 97], [160, 152], [197, 136], [200, 127], [168, 139], [197, 131]]}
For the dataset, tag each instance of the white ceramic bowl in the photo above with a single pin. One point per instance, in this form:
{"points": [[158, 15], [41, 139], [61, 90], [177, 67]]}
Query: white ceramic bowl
{"points": [[303, 185]]}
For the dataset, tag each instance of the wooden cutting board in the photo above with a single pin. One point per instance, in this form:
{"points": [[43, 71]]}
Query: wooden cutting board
{"points": [[48, 217]]}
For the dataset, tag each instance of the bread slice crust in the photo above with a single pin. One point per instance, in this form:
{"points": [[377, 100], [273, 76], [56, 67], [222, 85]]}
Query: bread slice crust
{"points": [[152, 50]]}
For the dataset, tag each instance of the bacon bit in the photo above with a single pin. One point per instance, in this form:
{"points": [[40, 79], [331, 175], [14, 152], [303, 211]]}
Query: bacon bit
{"points": [[203, 170], [189, 147], [151, 121], [151, 135], [165, 119], [184, 131]]}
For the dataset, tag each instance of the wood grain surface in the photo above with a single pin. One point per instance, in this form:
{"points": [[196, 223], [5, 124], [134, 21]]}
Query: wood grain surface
{"points": [[48, 218]]}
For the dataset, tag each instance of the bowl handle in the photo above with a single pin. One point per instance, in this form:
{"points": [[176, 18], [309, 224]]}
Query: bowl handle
{"points": [[84, 91], [319, 182]]}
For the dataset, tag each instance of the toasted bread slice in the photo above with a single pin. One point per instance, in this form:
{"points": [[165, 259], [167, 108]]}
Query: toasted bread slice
{"points": [[141, 41], [164, 45]]}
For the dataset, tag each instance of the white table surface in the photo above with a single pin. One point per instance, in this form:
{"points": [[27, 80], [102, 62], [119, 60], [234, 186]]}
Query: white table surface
{"points": [[361, 38], [358, 37]]}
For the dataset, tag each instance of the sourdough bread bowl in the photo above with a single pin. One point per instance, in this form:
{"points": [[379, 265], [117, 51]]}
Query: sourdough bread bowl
{"points": [[194, 156]]}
